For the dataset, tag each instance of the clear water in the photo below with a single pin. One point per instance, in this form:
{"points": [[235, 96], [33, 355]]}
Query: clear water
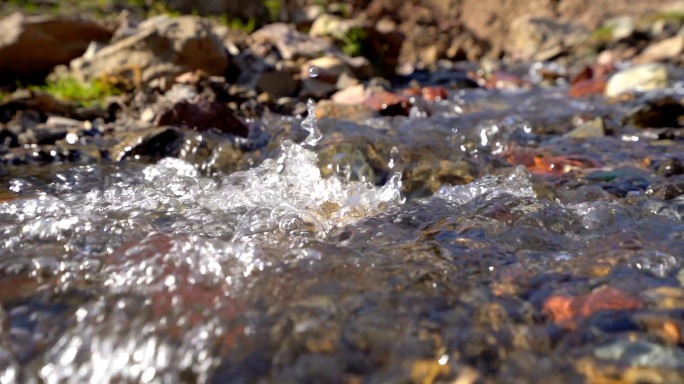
{"points": [[285, 273]]}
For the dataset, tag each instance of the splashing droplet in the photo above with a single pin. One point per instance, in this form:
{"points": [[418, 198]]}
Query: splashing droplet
{"points": [[395, 163], [309, 124], [314, 72]]}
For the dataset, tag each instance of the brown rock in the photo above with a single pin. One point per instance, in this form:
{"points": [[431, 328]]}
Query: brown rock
{"points": [[587, 87], [662, 112], [152, 142], [277, 83], [326, 68], [163, 48], [430, 93], [290, 43], [662, 50], [203, 115], [424, 32], [353, 95], [39, 101], [340, 111], [539, 39], [492, 19], [31, 46], [388, 103], [566, 311]]}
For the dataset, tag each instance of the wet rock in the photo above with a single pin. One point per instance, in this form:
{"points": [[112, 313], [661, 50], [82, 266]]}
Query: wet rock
{"points": [[343, 111], [641, 353], [544, 163], [590, 80], [665, 297], [539, 39], [663, 112], [430, 93], [502, 80], [388, 103], [51, 154], [621, 181], [603, 372], [666, 329], [203, 115], [43, 134], [642, 77], [669, 167], [427, 371], [566, 311], [152, 143], [31, 46], [161, 49], [592, 128], [588, 87]]}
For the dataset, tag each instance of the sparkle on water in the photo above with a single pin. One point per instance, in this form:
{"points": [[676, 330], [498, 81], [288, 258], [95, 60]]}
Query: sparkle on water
{"points": [[116, 232], [147, 265]]}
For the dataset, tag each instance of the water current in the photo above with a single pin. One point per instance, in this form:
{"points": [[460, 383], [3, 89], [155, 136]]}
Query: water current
{"points": [[286, 272]]}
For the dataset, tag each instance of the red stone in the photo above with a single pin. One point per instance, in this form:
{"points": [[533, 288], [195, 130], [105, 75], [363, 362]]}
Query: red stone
{"points": [[388, 103], [568, 311]]}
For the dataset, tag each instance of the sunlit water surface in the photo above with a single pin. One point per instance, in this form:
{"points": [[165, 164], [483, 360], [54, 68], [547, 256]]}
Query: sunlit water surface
{"points": [[156, 273]]}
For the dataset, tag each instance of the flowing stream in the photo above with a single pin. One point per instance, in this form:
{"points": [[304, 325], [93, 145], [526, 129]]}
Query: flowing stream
{"points": [[428, 248]]}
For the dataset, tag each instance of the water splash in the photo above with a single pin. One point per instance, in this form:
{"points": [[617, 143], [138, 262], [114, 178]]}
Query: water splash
{"points": [[310, 125], [144, 237], [517, 183]]}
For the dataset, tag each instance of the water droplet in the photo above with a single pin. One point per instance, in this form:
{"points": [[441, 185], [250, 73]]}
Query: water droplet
{"points": [[314, 72]]}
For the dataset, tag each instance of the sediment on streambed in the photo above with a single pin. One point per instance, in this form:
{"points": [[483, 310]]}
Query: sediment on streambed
{"points": [[422, 192]]}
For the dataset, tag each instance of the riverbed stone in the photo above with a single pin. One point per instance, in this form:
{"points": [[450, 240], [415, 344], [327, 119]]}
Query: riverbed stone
{"points": [[342, 111], [31, 46], [202, 115], [663, 50], [163, 48], [642, 77], [539, 39], [591, 128], [277, 83]]}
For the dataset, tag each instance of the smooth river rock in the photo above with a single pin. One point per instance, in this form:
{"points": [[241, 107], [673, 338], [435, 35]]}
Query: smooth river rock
{"points": [[31, 46], [642, 77], [162, 48]]}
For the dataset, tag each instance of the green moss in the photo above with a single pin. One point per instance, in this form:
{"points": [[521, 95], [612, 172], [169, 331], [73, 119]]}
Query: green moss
{"points": [[603, 34], [70, 89], [274, 7], [675, 17], [238, 24], [352, 41]]}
